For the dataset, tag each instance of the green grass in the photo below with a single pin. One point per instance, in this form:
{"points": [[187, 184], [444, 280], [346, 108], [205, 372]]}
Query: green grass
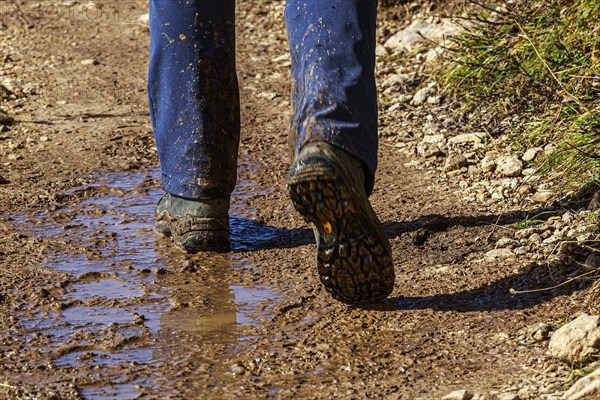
{"points": [[530, 222], [532, 72]]}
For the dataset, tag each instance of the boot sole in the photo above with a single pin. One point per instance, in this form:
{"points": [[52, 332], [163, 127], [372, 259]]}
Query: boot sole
{"points": [[354, 258]]}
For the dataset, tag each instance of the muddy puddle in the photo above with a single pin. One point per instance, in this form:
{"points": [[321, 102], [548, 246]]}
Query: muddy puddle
{"points": [[129, 295]]}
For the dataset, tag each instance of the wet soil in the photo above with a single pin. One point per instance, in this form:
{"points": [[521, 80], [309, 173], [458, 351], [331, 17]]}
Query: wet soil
{"points": [[93, 304]]}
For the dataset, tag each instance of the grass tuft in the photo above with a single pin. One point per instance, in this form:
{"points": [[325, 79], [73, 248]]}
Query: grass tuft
{"points": [[530, 69]]}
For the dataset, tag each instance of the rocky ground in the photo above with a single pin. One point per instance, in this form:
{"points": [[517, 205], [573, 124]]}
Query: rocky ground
{"points": [[490, 259]]}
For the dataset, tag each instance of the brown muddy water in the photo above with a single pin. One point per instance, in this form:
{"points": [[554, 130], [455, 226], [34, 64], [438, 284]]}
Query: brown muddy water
{"points": [[119, 298]]}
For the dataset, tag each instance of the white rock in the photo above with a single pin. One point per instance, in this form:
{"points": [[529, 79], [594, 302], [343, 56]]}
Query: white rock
{"points": [[509, 166], [408, 37], [521, 251], [577, 342], [467, 138], [540, 331], [507, 242], [529, 172], [542, 196], [532, 153], [586, 388], [381, 51], [90, 61], [282, 58], [499, 254], [458, 395], [421, 96], [488, 164], [434, 100], [549, 149], [394, 107], [18, 86], [426, 150], [436, 139], [144, 19]]}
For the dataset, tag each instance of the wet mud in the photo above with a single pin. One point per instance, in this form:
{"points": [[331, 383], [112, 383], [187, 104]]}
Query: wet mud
{"points": [[94, 304]]}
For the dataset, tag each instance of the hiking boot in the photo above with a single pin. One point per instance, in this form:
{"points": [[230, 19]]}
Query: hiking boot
{"points": [[195, 225], [354, 257]]}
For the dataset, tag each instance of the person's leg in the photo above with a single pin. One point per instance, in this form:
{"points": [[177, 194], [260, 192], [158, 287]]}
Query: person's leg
{"points": [[194, 106], [332, 45], [334, 129]]}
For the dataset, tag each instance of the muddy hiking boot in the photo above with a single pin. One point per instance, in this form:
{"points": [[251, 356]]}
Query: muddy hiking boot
{"points": [[354, 257], [195, 225]]}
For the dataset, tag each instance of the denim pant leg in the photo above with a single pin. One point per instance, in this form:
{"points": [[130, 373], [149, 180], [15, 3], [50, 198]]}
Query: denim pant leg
{"points": [[332, 44], [193, 95]]}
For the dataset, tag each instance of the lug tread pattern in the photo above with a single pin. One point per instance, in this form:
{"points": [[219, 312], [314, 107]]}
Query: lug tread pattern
{"points": [[353, 264]]}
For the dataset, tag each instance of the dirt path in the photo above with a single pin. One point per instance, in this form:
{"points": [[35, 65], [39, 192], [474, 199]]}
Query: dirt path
{"points": [[93, 304]]}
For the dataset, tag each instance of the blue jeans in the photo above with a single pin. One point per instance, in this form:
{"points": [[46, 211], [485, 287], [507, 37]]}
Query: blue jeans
{"points": [[193, 88]]}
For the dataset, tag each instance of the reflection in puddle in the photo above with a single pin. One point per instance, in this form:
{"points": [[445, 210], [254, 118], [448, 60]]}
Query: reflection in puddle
{"points": [[115, 391], [120, 264], [106, 288], [246, 298]]}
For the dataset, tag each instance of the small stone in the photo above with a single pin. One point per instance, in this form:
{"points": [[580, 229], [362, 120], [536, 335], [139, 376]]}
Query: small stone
{"points": [[434, 100], [144, 19], [5, 119], [507, 242], [520, 251], [499, 254], [421, 96], [488, 164], [568, 217], [455, 162], [238, 369], [282, 58], [437, 139], [542, 196], [44, 138], [394, 107], [535, 238], [509, 166], [532, 153], [549, 149], [540, 332], [467, 138], [577, 342], [14, 157], [419, 31], [525, 190], [90, 61], [381, 51], [591, 263], [529, 171], [509, 396], [458, 395], [427, 150]]}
